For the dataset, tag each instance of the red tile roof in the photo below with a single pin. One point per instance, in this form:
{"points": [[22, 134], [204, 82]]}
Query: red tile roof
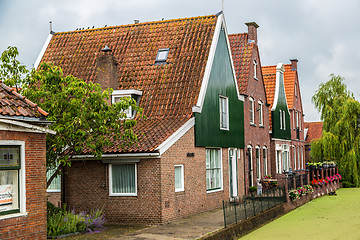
{"points": [[12, 104], [241, 51], [314, 131], [269, 76], [169, 90]]}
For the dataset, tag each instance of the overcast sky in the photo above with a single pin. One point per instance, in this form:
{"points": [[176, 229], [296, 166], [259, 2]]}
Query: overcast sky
{"points": [[322, 34]]}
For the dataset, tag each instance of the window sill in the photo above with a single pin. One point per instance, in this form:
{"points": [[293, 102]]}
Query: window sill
{"points": [[13, 215], [261, 126], [214, 190], [179, 190], [53, 191], [123, 194], [253, 124], [256, 78]]}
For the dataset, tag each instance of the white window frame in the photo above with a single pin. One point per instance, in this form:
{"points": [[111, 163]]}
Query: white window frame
{"points": [[284, 122], [251, 170], [224, 113], [265, 159], [57, 178], [182, 188], [285, 150], [297, 119], [125, 93], [298, 158], [293, 121], [280, 114], [111, 193], [251, 110], [295, 90], [255, 69], [294, 156], [221, 171], [22, 179], [302, 157], [278, 156], [261, 115], [258, 162]]}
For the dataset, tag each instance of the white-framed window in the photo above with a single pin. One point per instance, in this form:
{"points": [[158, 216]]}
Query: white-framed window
{"points": [[251, 165], [117, 95], [224, 112], [265, 161], [123, 179], [298, 157], [280, 118], [302, 157], [293, 121], [179, 178], [261, 115], [297, 119], [285, 157], [255, 69], [251, 110], [162, 55], [12, 178], [55, 185], [213, 169], [295, 90], [284, 123], [278, 161], [258, 162], [294, 156]]}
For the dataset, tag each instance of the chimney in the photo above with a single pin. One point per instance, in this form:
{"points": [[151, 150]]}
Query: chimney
{"points": [[106, 69], [252, 31], [293, 64]]}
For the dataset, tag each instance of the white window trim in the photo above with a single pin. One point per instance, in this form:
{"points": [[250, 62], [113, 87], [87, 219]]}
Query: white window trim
{"points": [[122, 194], [258, 160], [284, 122], [251, 170], [294, 156], [227, 112], [22, 176], [54, 190], [280, 114], [278, 161], [252, 110], [125, 93], [286, 150], [255, 69], [265, 159], [221, 173], [302, 157], [261, 115], [182, 177]]}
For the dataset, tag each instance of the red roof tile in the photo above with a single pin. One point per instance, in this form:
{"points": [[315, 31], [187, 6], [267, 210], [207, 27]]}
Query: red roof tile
{"points": [[314, 130], [12, 104], [241, 51], [169, 90]]}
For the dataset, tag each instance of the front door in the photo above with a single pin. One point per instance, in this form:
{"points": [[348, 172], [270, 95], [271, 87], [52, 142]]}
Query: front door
{"points": [[233, 172]]}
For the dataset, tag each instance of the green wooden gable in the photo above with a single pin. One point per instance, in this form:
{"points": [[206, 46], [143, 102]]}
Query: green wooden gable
{"points": [[221, 83], [280, 112]]}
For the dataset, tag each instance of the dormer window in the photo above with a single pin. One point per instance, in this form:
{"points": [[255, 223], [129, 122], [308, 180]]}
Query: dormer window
{"points": [[162, 55], [117, 95]]}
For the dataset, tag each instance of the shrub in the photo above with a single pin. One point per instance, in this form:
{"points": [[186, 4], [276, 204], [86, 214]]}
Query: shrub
{"points": [[252, 189], [346, 184]]}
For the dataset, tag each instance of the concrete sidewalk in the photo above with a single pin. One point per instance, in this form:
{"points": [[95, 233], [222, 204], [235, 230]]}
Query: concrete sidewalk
{"points": [[193, 227]]}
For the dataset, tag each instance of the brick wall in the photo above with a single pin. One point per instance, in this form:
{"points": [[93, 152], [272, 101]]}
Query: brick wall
{"points": [[33, 225], [156, 201]]}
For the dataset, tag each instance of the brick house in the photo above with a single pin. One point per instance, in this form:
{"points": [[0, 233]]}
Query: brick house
{"points": [[288, 141], [312, 131], [190, 147], [22, 167], [245, 53]]}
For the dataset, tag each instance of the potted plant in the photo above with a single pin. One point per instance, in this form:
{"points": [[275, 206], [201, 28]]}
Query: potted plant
{"points": [[252, 190]]}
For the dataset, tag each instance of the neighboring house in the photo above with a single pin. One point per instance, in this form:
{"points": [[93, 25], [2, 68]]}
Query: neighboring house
{"points": [[190, 147], [280, 131], [245, 53], [292, 124], [312, 131], [23, 129]]}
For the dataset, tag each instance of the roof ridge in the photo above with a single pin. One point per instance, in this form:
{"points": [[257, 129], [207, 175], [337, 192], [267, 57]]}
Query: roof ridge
{"points": [[136, 24]]}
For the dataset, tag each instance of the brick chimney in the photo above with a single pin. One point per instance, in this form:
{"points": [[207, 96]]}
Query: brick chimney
{"points": [[252, 31], [106, 70], [293, 64]]}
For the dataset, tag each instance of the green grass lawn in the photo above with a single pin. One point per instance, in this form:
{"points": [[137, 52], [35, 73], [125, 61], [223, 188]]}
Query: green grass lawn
{"points": [[328, 217]]}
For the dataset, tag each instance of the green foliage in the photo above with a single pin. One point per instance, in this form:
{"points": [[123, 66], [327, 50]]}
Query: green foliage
{"points": [[340, 141], [11, 70], [253, 189], [60, 221], [346, 184], [82, 117]]}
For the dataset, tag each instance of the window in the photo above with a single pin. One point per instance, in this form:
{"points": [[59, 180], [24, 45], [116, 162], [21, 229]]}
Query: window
{"points": [[280, 114], [117, 96], [224, 113], [298, 157], [258, 163], [252, 116], [295, 90], [278, 161], [260, 109], [293, 122], [284, 123], [302, 157], [285, 157], [213, 169], [255, 69], [300, 120], [12, 178], [55, 185], [123, 179], [179, 178], [251, 165], [162, 55], [265, 160], [294, 156]]}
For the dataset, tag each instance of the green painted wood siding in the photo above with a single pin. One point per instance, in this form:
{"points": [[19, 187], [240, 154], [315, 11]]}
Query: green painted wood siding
{"points": [[278, 132], [221, 83]]}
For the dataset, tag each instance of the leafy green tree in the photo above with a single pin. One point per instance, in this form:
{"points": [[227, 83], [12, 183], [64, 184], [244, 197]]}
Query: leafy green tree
{"points": [[81, 114], [340, 141], [11, 70]]}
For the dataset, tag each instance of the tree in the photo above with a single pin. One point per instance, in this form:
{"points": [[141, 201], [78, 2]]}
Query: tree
{"points": [[340, 140], [82, 117]]}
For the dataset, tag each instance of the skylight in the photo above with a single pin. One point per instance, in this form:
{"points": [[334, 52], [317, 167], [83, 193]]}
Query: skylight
{"points": [[162, 55]]}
